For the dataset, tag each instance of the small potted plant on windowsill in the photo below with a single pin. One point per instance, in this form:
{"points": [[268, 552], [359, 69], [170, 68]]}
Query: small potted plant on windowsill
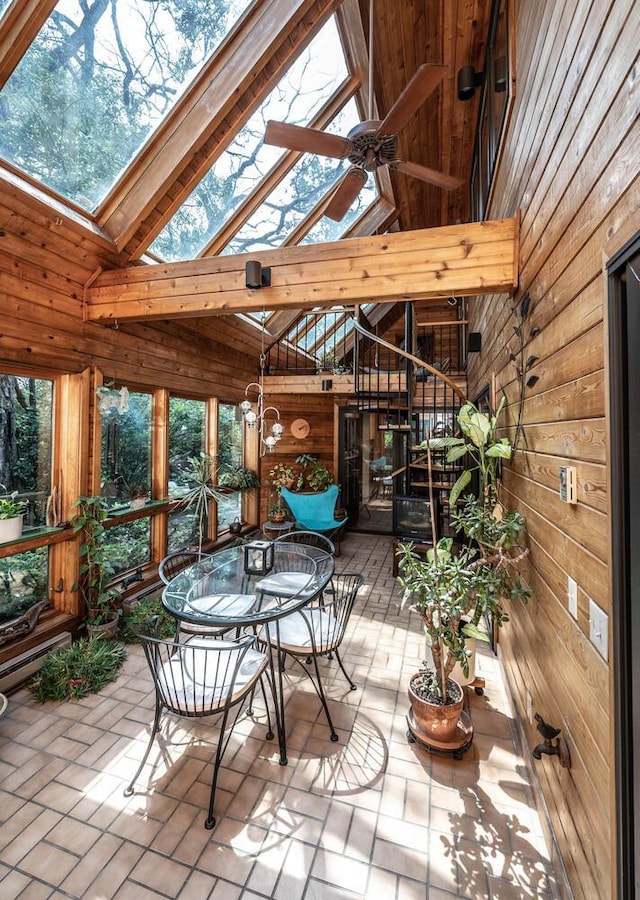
{"points": [[95, 569], [11, 516]]}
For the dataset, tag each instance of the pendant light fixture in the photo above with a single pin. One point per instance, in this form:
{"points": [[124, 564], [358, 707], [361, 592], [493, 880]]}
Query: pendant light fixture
{"points": [[257, 414]]}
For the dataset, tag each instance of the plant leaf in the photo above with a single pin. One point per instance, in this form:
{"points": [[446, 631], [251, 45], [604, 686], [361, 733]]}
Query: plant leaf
{"points": [[502, 449], [472, 631], [458, 487]]}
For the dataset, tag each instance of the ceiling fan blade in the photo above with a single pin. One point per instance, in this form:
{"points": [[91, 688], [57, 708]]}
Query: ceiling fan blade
{"points": [[310, 140], [416, 92], [346, 192], [431, 176]]}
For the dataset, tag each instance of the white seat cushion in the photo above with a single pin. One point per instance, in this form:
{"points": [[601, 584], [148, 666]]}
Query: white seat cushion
{"points": [[284, 584], [199, 675], [295, 636]]}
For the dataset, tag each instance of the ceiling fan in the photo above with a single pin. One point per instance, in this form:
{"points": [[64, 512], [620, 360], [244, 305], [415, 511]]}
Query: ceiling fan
{"points": [[371, 143]]}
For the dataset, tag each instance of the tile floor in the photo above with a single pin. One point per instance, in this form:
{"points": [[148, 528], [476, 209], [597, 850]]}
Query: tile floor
{"points": [[368, 817]]}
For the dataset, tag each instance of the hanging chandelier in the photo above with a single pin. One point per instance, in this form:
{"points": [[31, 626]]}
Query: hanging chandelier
{"points": [[258, 415]]}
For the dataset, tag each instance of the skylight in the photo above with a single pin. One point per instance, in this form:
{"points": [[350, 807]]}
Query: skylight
{"points": [[312, 79], [97, 80]]}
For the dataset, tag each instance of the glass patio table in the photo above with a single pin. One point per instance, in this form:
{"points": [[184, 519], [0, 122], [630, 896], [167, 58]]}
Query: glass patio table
{"points": [[216, 593]]}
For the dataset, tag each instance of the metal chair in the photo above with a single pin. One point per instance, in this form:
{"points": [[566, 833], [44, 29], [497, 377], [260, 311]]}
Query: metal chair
{"points": [[311, 538], [199, 678], [175, 562], [318, 630], [171, 566]]}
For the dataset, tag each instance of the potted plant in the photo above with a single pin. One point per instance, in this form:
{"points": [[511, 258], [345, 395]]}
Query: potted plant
{"points": [[281, 475], [237, 478], [138, 495], [495, 529], [202, 492], [319, 478], [443, 590], [11, 514], [95, 569]]}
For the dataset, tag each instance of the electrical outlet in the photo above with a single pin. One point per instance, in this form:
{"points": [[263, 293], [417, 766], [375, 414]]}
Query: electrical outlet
{"points": [[572, 596], [599, 629], [529, 706]]}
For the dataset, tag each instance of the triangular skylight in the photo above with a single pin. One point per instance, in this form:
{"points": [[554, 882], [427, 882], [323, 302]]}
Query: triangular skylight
{"points": [[310, 82]]}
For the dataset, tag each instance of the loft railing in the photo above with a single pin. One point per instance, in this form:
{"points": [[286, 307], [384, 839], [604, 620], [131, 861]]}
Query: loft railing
{"points": [[318, 342]]}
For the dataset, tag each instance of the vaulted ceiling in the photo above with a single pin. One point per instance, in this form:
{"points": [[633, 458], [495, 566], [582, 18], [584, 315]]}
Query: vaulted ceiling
{"points": [[249, 63]]}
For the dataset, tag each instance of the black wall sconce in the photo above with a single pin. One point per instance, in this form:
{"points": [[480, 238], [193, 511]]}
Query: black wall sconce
{"points": [[255, 275], [468, 81], [474, 342]]}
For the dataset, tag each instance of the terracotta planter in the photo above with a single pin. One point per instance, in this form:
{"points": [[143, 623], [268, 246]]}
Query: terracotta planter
{"points": [[435, 723], [10, 529]]}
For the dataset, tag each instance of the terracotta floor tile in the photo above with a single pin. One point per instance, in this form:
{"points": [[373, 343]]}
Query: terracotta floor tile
{"points": [[366, 817]]}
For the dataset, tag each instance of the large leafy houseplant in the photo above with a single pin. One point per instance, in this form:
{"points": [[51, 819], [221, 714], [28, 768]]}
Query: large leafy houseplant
{"points": [[443, 590], [202, 492]]}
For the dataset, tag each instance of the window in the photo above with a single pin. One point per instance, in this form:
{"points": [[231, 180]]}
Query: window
{"points": [[128, 545], [187, 440], [230, 432], [24, 579], [311, 80], [97, 80], [126, 452], [25, 442]]}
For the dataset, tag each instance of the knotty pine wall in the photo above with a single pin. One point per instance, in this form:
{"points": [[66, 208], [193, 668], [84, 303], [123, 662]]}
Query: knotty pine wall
{"points": [[45, 263], [570, 163], [320, 410]]}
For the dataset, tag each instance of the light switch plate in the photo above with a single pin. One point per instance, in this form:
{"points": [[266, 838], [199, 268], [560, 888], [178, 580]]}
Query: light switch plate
{"points": [[599, 629], [568, 488], [572, 596]]}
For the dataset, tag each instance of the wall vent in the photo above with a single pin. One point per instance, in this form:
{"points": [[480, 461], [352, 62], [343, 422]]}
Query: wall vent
{"points": [[23, 666]]}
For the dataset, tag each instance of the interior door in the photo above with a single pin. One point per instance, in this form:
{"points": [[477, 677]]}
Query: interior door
{"points": [[624, 405]]}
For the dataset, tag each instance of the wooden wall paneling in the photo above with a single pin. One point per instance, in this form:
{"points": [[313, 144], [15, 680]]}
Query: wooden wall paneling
{"points": [[618, 143], [585, 524], [591, 478], [543, 77], [574, 172], [59, 223], [589, 87]]}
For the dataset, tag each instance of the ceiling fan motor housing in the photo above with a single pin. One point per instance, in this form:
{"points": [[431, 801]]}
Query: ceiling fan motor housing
{"points": [[371, 149]]}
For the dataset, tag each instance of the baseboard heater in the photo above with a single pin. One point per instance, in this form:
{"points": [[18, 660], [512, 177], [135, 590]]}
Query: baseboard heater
{"points": [[15, 671]]}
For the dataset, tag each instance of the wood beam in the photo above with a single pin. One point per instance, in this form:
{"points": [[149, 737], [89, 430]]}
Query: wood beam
{"points": [[19, 26], [469, 259]]}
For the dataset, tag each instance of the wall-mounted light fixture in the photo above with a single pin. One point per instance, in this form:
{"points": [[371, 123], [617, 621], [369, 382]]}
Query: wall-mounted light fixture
{"points": [[255, 275], [474, 342], [468, 81]]}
